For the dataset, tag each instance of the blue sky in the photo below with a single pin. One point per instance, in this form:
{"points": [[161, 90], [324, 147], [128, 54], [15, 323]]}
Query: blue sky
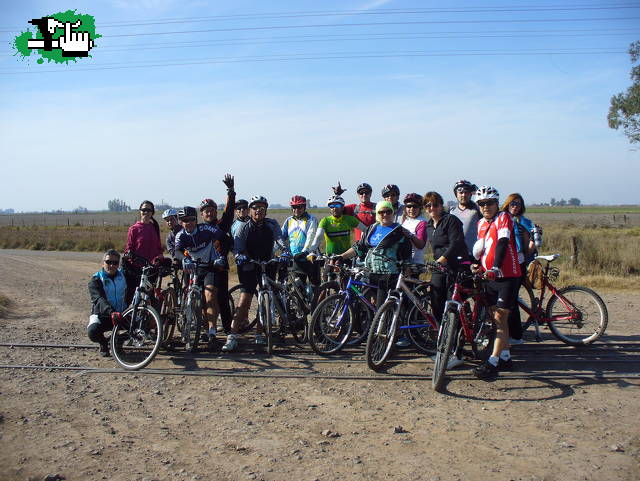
{"points": [[292, 96]]}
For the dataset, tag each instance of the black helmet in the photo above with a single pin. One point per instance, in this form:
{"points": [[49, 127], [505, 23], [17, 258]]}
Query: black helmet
{"points": [[390, 189], [466, 185], [364, 186], [241, 204], [207, 203], [187, 211]]}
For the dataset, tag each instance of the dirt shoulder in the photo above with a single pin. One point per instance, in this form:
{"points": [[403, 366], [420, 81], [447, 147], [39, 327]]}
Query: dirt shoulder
{"points": [[575, 419]]}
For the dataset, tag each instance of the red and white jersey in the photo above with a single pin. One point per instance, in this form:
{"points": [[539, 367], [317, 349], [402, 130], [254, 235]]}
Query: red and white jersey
{"points": [[500, 227]]}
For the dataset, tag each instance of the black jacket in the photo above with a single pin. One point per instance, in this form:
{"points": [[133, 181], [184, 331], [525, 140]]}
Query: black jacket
{"points": [[447, 239]]}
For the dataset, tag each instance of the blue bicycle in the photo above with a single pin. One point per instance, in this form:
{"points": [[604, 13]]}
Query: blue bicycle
{"points": [[343, 318]]}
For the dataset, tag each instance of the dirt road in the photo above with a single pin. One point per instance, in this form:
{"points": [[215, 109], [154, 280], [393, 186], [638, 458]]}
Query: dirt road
{"points": [[569, 414]]}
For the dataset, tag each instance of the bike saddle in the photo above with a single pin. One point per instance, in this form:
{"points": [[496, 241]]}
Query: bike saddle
{"points": [[549, 258]]}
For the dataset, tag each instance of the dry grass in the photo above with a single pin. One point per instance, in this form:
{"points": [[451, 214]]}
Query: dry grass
{"points": [[5, 303]]}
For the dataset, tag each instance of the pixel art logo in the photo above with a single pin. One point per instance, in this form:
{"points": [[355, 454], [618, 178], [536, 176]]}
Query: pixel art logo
{"points": [[60, 37]]}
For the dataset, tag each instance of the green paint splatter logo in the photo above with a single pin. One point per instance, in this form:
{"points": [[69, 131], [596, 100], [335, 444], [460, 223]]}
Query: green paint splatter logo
{"points": [[60, 37]]}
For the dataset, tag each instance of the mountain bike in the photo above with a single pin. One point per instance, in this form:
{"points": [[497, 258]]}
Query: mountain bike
{"points": [[170, 303], [466, 319], [336, 316], [136, 336], [405, 309], [189, 318], [575, 315], [278, 307]]}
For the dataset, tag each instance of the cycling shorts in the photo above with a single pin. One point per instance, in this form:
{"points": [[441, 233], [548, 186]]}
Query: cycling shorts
{"points": [[503, 292], [249, 279], [207, 276]]}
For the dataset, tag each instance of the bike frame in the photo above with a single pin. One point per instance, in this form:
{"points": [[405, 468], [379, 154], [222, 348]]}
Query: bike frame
{"points": [[402, 289], [459, 299]]}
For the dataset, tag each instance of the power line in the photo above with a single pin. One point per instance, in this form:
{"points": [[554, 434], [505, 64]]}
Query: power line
{"points": [[369, 24], [335, 56]]}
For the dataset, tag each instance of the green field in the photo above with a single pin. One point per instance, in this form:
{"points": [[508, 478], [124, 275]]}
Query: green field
{"points": [[586, 209]]}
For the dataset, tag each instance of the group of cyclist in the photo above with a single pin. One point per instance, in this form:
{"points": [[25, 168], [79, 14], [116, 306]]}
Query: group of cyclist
{"points": [[489, 239]]}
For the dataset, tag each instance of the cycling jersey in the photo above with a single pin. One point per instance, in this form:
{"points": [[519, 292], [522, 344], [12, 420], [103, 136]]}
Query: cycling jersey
{"points": [[171, 240], [521, 224], [337, 232], [203, 244], [235, 227], [257, 241], [490, 232], [365, 212], [300, 232]]}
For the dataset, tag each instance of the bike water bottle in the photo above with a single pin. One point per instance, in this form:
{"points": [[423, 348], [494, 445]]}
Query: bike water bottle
{"points": [[537, 235]]}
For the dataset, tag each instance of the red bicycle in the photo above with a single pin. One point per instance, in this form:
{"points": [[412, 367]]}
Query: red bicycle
{"points": [[576, 315], [467, 318]]}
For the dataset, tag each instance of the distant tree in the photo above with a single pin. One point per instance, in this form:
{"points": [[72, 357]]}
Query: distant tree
{"points": [[562, 202], [573, 201], [553, 201], [80, 210], [625, 107], [117, 205]]}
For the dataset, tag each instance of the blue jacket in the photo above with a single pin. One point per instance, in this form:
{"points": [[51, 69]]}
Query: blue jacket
{"points": [[107, 294]]}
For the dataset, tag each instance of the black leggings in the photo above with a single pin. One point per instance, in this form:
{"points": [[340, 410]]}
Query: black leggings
{"points": [[97, 329], [222, 293], [515, 323], [384, 282]]}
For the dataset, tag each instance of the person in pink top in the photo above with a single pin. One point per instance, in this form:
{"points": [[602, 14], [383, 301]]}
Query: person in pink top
{"points": [[143, 239]]}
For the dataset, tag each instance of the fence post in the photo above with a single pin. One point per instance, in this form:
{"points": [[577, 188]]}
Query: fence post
{"points": [[574, 251]]}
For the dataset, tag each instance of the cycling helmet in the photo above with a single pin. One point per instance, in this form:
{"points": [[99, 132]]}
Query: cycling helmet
{"points": [[465, 184], [486, 192], [241, 203], [390, 189], [335, 199], [364, 186], [187, 211], [207, 203], [298, 200], [170, 213], [412, 198], [258, 199]]}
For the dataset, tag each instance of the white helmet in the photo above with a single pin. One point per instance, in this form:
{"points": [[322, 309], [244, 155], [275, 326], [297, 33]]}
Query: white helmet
{"points": [[258, 199], [486, 192], [170, 213], [335, 199]]}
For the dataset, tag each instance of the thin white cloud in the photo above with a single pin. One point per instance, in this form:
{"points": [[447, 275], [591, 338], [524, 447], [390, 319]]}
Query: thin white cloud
{"points": [[372, 5]]}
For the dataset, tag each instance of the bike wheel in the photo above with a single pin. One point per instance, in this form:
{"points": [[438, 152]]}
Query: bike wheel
{"points": [[234, 299], [445, 347], [484, 335], [420, 332], [323, 291], [382, 335], [527, 297], [192, 322], [136, 338], [168, 316], [577, 315], [330, 325], [297, 322]]}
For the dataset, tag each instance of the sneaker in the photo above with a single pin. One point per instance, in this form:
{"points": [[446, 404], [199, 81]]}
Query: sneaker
{"points": [[204, 338], [486, 371], [260, 340], [515, 342], [212, 343], [505, 365], [231, 344], [403, 342], [104, 350]]}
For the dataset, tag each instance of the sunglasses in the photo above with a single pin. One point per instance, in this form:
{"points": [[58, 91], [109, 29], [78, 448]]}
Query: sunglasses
{"points": [[515, 203], [112, 263], [461, 190], [412, 206], [334, 206], [362, 192], [429, 205], [146, 210], [385, 212], [258, 208], [301, 206], [485, 203], [188, 219]]}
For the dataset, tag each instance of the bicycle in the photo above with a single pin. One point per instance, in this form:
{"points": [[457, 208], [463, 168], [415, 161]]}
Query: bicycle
{"points": [[385, 326], [462, 322], [575, 315], [189, 318], [333, 320], [277, 307], [170, 304], [136, 336]]}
